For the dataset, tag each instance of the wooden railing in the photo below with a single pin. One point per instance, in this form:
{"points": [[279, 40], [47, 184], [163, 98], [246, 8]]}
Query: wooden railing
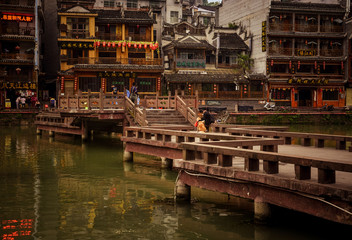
{"points": [[114, 60], [223, 156], [140, 116], [91, 101], [182, 107], [306, 138]]}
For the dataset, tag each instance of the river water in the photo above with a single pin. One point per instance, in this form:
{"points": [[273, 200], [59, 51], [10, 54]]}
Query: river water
{"points": [[62, 189]]}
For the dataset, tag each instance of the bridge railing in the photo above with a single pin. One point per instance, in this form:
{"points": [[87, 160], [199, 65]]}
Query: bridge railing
{"points": [[223, 156], [91, 101], [140, 116], [182, 106], [306, 138]]}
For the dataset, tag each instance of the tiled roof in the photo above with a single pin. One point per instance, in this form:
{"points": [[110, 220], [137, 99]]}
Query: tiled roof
{"points": [[191, 43], [208, 76], [115, 16], [232, 41]]}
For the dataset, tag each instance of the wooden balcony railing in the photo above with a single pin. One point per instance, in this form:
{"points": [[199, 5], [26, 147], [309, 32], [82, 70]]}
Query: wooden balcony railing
{"points": [[77, 34], [280, 51], [329, 28], [108, 36], [285, 27], [306, 27], [28, 31], [18, 56], [112, 60], [331, 52], [138, 37]]}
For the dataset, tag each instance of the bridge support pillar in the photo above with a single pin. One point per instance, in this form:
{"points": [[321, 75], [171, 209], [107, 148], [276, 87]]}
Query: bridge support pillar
{"points": [[166, 162], [51, 133], [182, 191], [262, 211], [39, 132], [127, 156]]}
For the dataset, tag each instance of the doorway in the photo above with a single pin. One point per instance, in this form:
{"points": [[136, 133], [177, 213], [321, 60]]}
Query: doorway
{"points": [[305, 98]]}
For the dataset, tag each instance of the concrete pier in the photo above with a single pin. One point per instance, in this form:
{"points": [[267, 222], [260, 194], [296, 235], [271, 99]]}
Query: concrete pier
{"points": [[262, 211], [182, 191], [166, 163], [127, 156]]}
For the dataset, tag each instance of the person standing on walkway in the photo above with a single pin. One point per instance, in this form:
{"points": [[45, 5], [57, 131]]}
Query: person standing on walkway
{"points": [[207, 119], [134, 93]]}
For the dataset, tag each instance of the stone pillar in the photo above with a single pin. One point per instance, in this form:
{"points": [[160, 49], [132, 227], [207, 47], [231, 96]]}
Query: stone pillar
{"points": [[182, 191], [127, 156], [127, 166], [166, 163], [262, 212], [51, 133]]}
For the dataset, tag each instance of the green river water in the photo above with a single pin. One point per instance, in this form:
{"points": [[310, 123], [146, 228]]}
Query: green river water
{"points": [[62, 189]]}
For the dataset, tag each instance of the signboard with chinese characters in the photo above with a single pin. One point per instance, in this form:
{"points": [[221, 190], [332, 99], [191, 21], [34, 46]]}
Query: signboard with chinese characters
{"points": [[81, 45], [18, 85], [303, 52], [264, 36], [310, 81], [188, 63], [20, 17], [117, 74]]}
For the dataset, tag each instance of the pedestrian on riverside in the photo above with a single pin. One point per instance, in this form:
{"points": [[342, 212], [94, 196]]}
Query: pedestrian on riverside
{"points": [[134, 93], [208, 119], [18, 102]]}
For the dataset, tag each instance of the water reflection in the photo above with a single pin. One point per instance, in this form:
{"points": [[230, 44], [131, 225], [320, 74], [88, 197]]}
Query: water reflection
{"points": [[58, 188]]}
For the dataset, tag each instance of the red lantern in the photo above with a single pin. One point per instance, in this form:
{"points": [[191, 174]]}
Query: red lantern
{"points": [[315, 65], [290, 64], [151, 45], [129, 44], [156, 45], [135, 45], [145, 45], [104, 44], [98, 43], [119, 44], [299, 64], [324, 65], [124, 44], [113, 44], [272, 63], [342, 65], [140, 45], [109, 44]]}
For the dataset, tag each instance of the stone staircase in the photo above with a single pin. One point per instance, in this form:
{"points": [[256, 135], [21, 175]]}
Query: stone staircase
{"points": [[165, 117]]}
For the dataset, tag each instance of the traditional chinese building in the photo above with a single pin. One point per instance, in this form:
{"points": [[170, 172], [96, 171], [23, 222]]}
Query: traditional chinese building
{"points": [[205, 60], [19, 64], [104, 47], [298, 45]]}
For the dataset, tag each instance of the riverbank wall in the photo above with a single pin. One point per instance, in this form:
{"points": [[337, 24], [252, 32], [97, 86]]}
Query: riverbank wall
{"points": [[17, 118], [275, 118]]}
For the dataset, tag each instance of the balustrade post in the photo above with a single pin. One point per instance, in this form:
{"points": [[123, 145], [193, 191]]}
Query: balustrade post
{"points": [[101, 97], [302, 172], [88, 98], [326, 176]]}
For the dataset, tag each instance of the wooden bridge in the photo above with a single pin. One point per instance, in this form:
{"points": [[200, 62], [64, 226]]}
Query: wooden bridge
{"points": [[83, 113], [262, 163], [258, 164]]}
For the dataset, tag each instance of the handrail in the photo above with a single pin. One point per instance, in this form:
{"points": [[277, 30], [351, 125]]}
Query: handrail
{"points": [[186, 111], [139, 116]]}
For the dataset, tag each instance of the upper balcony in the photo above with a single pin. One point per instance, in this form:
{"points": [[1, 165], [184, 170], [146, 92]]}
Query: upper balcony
{"points": [[111, 60], [305, 23], [27, 31], [16, 57]]}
